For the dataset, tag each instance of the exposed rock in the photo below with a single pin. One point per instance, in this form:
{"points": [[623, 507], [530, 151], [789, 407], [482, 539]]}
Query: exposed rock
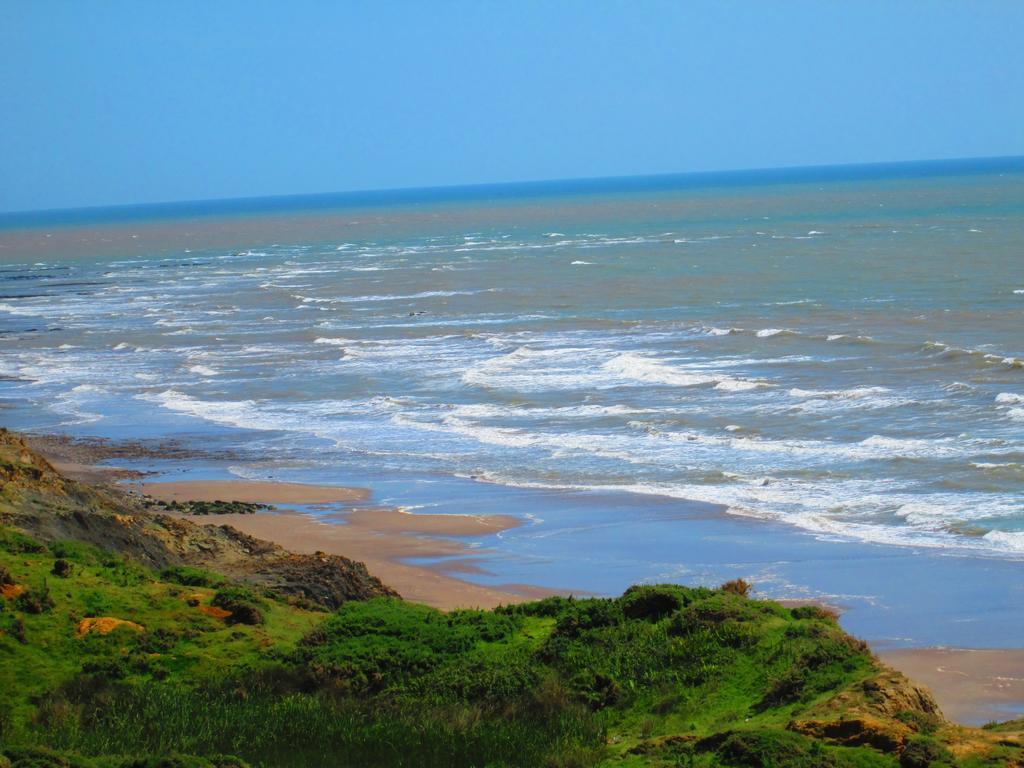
{"points": [[884, 735], [11, 591], [214, 611], [870, 713], [104, 625], [38, 500], [891, 693]]}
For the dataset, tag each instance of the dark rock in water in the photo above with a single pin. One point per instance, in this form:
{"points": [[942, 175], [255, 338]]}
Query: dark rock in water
{"points": [[217, 507]]}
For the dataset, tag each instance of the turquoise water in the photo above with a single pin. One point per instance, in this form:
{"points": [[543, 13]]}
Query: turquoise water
{"points": [[838, 352]]}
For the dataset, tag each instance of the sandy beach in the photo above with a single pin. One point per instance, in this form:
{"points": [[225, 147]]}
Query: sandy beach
{"points": [[972, 686], [381, 537]]}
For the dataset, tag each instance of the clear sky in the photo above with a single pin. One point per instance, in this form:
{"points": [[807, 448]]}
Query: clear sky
{"points": [[129, 102]]}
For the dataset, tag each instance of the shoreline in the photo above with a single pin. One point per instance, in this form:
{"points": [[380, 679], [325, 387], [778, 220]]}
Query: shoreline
{"points": [[383, 538], [972, 686]]}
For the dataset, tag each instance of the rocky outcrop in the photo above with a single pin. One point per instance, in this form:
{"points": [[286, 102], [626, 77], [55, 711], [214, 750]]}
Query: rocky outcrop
{"points": [[882, 712], [104, 625], [36, 498], [884, 735]]}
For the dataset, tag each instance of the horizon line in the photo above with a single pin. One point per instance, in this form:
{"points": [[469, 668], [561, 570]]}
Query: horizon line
{"points": [[410, 193]]}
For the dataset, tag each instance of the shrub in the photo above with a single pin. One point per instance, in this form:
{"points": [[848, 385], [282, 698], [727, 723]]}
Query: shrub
{"points": [[244, 606], [596, 690], [96, 602], [76, 551], [814, 612], [486, 625], [18, 543], [61, 568], [653, 603], [581, 616], [767, 748], [919, 721], [5, 576], [191, 577], [35, 600], [924, 752], [737, 587], [715, 611]]}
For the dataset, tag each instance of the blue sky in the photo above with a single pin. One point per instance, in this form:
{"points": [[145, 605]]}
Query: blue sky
{"points": [[130, 102]]}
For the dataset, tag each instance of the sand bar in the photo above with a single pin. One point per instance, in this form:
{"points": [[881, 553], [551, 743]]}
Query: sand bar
{"points": [[390, 519], [253, 491], [383, 550], [382, 537]]}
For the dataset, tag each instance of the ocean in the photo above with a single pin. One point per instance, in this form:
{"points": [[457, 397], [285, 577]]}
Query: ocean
{"points": [[830, 356]]}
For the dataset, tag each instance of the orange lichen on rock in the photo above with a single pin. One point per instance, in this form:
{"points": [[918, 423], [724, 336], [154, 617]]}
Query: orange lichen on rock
{"points": [[11, 591], [214, 611], [104, 625]]}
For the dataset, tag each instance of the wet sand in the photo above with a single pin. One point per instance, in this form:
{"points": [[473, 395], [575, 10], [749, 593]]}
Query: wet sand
{"points": [[972, 687], [253, 491]]}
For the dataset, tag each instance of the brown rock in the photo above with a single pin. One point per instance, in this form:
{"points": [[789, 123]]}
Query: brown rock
{"points": [[104, 625]]}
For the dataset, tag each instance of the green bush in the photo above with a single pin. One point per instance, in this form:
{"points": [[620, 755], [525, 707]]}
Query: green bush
{"points": [[244, 606], [653, 603], [924, 752], [191, 577], [35, 600], [76, 552], [813, 612], [770, 749], [18, 543], [578, 617]]}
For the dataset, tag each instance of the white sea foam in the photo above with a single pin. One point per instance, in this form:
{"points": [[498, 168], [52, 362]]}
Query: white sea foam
{"points": [[855, 393], [203, 370], [721, 331], [389, 297], [855, 397], [10, 309], [88, 388], [1009, 398], [768, 332], [1009, 540], [339, 342], [581, 263], [637, 367]]}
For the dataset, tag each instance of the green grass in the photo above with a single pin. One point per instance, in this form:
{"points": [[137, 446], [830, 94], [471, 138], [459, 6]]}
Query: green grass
{"points": [[662, 676]]}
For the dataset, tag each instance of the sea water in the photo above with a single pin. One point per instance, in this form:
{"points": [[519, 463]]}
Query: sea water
{"points": [[836, 351]]}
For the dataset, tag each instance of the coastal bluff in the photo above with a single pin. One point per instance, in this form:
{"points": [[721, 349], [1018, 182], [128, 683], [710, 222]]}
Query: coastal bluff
{"points": [[39, 500], [130, 638]]}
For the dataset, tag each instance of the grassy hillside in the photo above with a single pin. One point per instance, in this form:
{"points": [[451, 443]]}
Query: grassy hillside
{"points": [[663, 675], [121, 645]]}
